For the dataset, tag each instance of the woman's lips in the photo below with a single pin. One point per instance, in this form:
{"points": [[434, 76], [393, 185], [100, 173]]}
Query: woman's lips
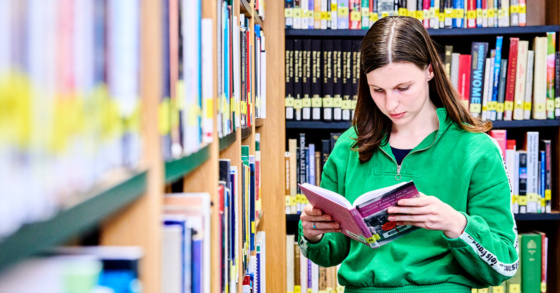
{"points": [[397, 116]]}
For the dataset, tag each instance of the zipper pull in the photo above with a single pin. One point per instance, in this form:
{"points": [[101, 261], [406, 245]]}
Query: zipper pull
{"points": [[398, 177]]}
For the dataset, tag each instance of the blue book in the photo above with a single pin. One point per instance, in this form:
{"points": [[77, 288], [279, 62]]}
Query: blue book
{"points": [[197, 266], [233, 214], [496, 80], [478, 57], [478, 13], [542, 187], [252, 204], [311, 160]]}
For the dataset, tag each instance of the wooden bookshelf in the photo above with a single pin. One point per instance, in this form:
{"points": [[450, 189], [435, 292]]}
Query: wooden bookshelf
{"points": [[179, 168], [227, 140], [82, 214], [493, 31]]}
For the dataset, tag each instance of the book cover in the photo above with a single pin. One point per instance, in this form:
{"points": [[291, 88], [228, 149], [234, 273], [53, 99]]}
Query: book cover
{"points": [[306, 81], [501, 90], [478, 53], [316, 81], [289, 72], [529, 85], [531, 246], [496, 77], [367, 219], [550, 70], [520, 79], [327, 89], [511, 78]]}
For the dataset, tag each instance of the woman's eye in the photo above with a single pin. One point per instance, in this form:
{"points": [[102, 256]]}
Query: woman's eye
{"points": [[378, 90], [402, 89]]}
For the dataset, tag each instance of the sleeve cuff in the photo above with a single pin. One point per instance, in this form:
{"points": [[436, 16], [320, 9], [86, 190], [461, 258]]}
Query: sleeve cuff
{"points": [[305, 245], [471, 229]]}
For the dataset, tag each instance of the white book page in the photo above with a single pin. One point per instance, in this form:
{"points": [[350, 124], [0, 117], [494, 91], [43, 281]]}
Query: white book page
{"points": [[333, 196], [375, 193]]}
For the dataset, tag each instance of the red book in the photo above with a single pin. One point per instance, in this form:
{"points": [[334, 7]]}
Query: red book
{"points": [[501, 137], [426, 16], [512, 71], [463, 85], [221, 195], [355, 22], [511, 144], [471, 13]]}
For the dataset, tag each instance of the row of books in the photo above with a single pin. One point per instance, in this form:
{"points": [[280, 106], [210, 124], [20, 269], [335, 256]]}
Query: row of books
{"points": [[302, 275], [69, 101], [186, 242], [185, 112], [76, 269], [530, 171], [525, 85], [362, 14], [304, 164], [240, 203], [241, 71], [321, 79]]}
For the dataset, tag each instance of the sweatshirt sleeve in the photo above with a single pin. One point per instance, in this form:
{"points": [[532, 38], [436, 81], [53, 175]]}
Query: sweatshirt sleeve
{"points": [[487, 248], [333, 248]]}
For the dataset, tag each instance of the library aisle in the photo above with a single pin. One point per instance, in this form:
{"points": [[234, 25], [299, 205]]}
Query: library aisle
{"points": [[156, 145]]}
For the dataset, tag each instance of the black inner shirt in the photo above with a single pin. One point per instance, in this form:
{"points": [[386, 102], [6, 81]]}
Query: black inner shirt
{"points": [[399, 154]]}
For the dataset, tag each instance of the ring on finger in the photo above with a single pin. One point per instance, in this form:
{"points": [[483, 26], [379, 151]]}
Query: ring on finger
{"points": [[314, 226]]}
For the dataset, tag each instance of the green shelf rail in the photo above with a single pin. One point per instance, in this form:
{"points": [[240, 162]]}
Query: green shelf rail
{"points": [[176, 169], [76, 220], [227, 140]]}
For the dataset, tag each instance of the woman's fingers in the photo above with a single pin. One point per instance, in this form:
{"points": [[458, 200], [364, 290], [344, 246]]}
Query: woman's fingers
{"points": [[308, 209], [321, 225], [309, 218], [410, 218], [423, 210]]}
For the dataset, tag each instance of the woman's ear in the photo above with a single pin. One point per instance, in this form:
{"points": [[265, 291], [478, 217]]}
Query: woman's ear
{"points": [[430, 72]]}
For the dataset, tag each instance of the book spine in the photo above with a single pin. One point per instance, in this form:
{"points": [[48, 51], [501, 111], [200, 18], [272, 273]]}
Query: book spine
{"points": [[343, 14], [510, 87], [292, 144], [341, 112], [297, 11], [327, 46], [338, 75], [548, 179], [448, 52], [426, 13], [360, 223], [334, 14], [316, 101], [311, 14], [550, 70], [529, 85], [311, 163], [479, 8], [288, 13], [557, 86], [329, 14], [317, 14], [351, 105], [514, 10], [490, 13], [485, 91], [464, 78], [365, 14], [532, 171], [496, 78], [374, 12], [501, 90], [478, 53], [455, 70], [539, 79], [302, 168], [318, 169], [325, 151], [542, 181], [532, 263], [522, 177], [306, 80], [516, 187], [298, 77], [522, 13], [471, 13], [324, 14], [520, 80], [355, 15], [287, 190]]}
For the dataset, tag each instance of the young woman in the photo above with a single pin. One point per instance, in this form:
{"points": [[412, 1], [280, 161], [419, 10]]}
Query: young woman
{"points": [[410, 124]]}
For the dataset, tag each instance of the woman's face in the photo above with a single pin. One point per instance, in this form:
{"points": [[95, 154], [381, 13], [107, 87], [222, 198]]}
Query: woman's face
{"points": [[400, 90]]}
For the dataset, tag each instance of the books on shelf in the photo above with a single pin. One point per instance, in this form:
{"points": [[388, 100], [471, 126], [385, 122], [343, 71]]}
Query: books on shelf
{"points": [[439, 14], [78, 269], [494, 87], [365, 220], [302, 275], [70, 102], [529, 168]]}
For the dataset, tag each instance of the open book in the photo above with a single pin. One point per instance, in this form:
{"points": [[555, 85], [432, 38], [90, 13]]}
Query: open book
{"points": [[367, 219]]}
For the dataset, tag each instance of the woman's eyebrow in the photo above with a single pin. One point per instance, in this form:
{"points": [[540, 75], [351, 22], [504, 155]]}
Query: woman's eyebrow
{"points": [[402, 83]]}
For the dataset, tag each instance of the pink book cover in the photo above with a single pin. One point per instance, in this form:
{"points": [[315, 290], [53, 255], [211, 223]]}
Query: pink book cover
{"points": [[501, 137], [369, 219]]}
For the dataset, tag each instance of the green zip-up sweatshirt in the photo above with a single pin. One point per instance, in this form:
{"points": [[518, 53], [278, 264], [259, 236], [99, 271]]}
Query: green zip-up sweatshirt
{"points": [[462, 169]]}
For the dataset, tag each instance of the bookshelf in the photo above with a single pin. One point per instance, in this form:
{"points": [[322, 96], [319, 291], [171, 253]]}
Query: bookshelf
{"points": [[78, 218], [227, 140], [181, 167], [503, 31]]}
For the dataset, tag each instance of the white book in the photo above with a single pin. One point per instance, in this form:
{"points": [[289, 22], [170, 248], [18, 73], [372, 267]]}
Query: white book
{"points": [[455, 70], [303, 272], [529, 85], [539, 78], [505, 9], [520, 80], [334, 15], [172, 259], [290, 263], [263, 85], [304, 7], [315, 278], [207, 80], [490, 88], [324, 9], [236, 71], [261, 252], [533, 202], [292, 147], [485, 90]]}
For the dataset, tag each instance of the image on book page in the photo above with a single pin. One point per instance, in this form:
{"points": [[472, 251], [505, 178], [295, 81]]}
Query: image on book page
{"points": [[376, 217]]}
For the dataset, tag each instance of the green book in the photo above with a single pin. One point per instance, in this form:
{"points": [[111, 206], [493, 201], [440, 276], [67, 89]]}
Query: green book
{"points": [[531, 258], [513, 285]]}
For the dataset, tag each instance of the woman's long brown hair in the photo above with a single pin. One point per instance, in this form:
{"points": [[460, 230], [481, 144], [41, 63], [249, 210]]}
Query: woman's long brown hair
{"points": [[409, 42]]}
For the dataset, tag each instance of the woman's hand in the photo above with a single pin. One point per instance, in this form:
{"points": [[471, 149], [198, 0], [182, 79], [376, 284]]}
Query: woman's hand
{"points": [[430, 213], [322, 222]]}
